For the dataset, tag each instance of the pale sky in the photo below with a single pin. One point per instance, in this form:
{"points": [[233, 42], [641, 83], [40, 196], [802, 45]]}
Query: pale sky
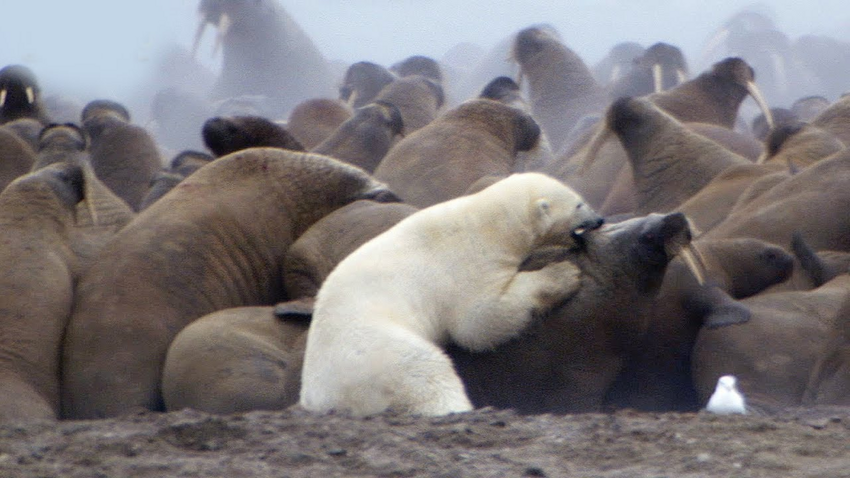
{"points": [[104, 48]]}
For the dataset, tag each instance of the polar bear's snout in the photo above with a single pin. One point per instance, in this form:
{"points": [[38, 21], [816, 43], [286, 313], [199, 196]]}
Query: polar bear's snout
{"points": [[590, 222], [586, 226]]}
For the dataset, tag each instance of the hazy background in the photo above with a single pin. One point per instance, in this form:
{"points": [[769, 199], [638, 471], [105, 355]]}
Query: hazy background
{"points": [[107, 48]]}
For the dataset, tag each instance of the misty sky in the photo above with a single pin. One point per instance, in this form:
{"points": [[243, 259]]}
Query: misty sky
{"points": [[105, 48]]}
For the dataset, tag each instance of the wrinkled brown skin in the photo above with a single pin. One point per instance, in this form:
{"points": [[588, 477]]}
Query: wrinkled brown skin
{"points": [[214, 242], [101, 213], [163, 182], [598, 181], [61, 143], [314, 120], [312, 257], [365, 138], [813, 201], [734, 141], [235, 360], [774, 353], [419, 100], [18, 157], [439, 162], [669, 162], [562, 88], [621, 198], [799, 145], [567, 360], [483, 183], [39, 270], [124, 156], [713, 98], [829, 382], [758, 187], [181, 167], [836, 119], [505, 90], [27, 129], [657, 377], [246, 358], [227, 134], [739, 185], [713, 203]]}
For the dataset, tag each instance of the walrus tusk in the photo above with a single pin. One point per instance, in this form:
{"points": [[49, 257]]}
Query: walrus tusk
{"points": [[30, 95], [762, 157], [658, 77], [754, 91], [594, 145], [3, 93], [90, 178], [352, 98], [694, 260], [198, 34], [224, 24], [681, 75]]}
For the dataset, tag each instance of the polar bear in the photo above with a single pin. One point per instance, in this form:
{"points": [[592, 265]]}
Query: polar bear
{"points": [[447, 272]]}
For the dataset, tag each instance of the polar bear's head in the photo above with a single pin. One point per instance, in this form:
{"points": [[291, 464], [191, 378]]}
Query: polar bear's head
{"points": [[556, 213]]}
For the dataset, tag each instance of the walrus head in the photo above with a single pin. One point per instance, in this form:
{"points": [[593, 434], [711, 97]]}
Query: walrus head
{"points": [[19, 92]]}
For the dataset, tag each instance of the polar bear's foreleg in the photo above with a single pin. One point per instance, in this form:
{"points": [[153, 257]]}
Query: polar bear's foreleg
{"points": [[497, 319], [394, 369]]}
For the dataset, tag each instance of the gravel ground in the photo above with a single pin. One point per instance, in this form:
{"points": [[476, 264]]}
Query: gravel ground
{"points": [[795, 443]]}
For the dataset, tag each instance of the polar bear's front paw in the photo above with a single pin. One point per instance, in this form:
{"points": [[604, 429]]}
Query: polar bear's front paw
{"points": [[557, 281]]}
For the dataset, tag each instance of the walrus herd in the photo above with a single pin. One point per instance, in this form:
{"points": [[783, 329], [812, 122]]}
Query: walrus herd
{"points": [[534, 232]]}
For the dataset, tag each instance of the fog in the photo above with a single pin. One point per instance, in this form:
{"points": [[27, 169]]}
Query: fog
{"points": [[104, 48]]}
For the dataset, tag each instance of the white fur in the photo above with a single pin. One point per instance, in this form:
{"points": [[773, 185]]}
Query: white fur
{"points": [[448, 271], [726, 398]]}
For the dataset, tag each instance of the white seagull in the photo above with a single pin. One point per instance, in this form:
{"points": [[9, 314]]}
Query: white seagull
{"points": [[726, 398]]}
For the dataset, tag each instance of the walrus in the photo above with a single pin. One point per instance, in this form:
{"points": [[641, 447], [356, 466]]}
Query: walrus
{"points": [[56, 142], [124, 155], [314, 120], [37, 213], [20, 95], [479, 137], [419, 99], [215, 241], [364, 139], [249, 358], [661, 67], [265, 53], [225, 135], [362, 83], [562, 88]]}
